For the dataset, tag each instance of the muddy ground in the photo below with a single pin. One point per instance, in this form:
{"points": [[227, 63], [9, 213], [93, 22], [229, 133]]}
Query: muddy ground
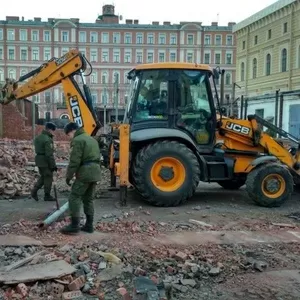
{"points": [[241, 251]]}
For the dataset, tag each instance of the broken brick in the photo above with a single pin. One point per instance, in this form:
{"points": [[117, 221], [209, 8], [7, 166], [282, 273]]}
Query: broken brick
{"points": [[124, 293], [181, 256], [51, 257], [57, 289], [83, 256], [171, 270], [139, 272], [22, 289], [77, 284], [71, 295]]}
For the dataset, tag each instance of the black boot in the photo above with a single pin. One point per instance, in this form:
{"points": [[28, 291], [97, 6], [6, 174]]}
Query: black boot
{"points": [[88, 226], [48, 197], [34, 194], [72, 228]]}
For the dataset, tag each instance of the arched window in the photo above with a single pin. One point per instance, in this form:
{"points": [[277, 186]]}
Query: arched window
{"points": [[1, 76], [104, 79], [23, 72], [12, 74], [283, 60], [254, 68], [268, 64], [242, 71], [228, 79], [94, 77], [116, 77]]}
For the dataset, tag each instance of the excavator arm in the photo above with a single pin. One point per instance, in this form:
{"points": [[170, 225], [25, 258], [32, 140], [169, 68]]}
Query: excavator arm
{"points": [[59, 71]]}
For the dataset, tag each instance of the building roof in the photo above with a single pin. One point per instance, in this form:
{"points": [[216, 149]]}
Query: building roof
{"points": [[262, 14]]}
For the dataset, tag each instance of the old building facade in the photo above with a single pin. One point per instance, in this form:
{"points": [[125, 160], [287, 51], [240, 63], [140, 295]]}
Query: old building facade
{"points": [[268, 57], [113, 49]]}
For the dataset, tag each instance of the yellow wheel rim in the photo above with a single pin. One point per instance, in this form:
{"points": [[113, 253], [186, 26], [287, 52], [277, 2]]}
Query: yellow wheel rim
{"points": [[273, 186], [168, 174]]}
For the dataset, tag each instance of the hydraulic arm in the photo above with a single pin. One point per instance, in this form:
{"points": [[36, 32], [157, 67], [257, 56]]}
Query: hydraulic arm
{"points": [[55, 71]]}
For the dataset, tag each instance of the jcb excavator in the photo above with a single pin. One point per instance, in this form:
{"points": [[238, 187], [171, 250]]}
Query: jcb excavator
{"points": [[172, 137]]}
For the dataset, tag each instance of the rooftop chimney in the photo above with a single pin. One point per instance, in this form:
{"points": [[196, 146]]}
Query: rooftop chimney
{"points": [[214, 23], [37, 19], [128, 21], [231, 23], [136, 21], [155, 23], [167, 23], [12, 18]]}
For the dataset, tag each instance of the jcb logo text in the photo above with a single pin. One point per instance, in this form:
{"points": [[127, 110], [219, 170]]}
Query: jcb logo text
{"points": [[237, 128], [76, 113]]}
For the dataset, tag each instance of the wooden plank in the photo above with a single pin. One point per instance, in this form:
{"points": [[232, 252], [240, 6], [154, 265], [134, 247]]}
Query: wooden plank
{"points": [[31, 273], [18, 240]]}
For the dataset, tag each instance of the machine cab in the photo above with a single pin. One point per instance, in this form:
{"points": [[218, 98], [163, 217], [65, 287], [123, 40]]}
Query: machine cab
{"points": [[175, 96]]}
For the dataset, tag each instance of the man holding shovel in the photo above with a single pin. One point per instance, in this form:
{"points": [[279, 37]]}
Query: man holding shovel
{"points": [[84, 164]]}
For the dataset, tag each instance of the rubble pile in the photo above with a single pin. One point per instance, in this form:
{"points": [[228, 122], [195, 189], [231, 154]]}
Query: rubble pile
{"points": [[94, 271], [15, 180]]}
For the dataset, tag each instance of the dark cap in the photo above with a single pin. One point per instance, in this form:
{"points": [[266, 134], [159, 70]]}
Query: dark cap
{"points": [[50, 126], [71, 127]]}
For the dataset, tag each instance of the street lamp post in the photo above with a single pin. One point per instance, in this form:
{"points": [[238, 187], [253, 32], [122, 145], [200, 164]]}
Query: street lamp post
{"points": [[116, 92], [104, 111]]}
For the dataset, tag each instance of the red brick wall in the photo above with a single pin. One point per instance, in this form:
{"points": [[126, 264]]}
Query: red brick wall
{"points": [[14, 125]]}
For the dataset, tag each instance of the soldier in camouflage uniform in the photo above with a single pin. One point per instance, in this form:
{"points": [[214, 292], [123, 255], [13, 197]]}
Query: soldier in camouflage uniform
{"points": [[44, 160], [84, 164]]}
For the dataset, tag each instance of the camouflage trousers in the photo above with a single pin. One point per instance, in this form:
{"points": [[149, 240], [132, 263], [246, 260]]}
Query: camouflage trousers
{"points": [[82, 193], [45, 180]]}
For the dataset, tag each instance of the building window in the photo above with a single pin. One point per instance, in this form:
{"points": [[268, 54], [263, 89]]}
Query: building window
{"points": [[10, 34], [229, 40], [254, 68], [1, 76], [82, 37], [161, 57], [190, 39], [139, 57], [260, 112], [244, 45], [255, 40], [228, 58], [1, 34], [104, 78], [207, 58], [116, 56], [12, 74], [105, 56], [228, 79], [218, 40], [47, 36], [24, 54], [1, 54], [283, 60], [48, 97], [65, 36], [190, 57], [207, 39], [285, 27], [104, 38], [94, 55], [217, 58], [269, 34], [34, 35], [11, 54], [150, 38], [173, 39], [128, 38], [35, 54], [116, 38], [47, 54], [93, 78], [23, 35], [150, 57], [268, 64], [94, 37], [242, 71], [162, 39], [23, 72], [94, 99], [127, 58], [64, 51], [173, 57], [139, 38]]}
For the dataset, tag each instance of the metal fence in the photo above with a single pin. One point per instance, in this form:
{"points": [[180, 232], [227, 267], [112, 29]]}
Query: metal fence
{"points": [[282, 109]]}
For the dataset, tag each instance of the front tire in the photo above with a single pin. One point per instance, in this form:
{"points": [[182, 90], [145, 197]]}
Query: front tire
{"points": [[270, 185], [166, 173]]}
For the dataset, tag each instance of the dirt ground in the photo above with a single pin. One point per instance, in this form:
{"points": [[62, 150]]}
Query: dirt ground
{"points": [[253, 250]]}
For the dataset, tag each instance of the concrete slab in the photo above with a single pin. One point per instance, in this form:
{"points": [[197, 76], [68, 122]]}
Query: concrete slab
{"points": [[18, 240], [228, 237]]}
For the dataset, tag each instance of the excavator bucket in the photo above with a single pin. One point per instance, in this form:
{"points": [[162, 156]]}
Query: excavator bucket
{"points": [[7, 92]]}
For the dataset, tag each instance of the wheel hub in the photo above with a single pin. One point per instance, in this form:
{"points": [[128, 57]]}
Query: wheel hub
{"points": [[273, 185], [166, 173]]}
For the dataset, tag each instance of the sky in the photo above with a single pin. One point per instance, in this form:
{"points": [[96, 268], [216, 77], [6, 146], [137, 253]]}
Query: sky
{"points": [[222, 11]]}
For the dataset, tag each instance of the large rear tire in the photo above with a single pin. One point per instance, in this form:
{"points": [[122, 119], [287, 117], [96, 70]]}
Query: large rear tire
{"points": [[233, 184], [166, 173], [270, 185]]}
